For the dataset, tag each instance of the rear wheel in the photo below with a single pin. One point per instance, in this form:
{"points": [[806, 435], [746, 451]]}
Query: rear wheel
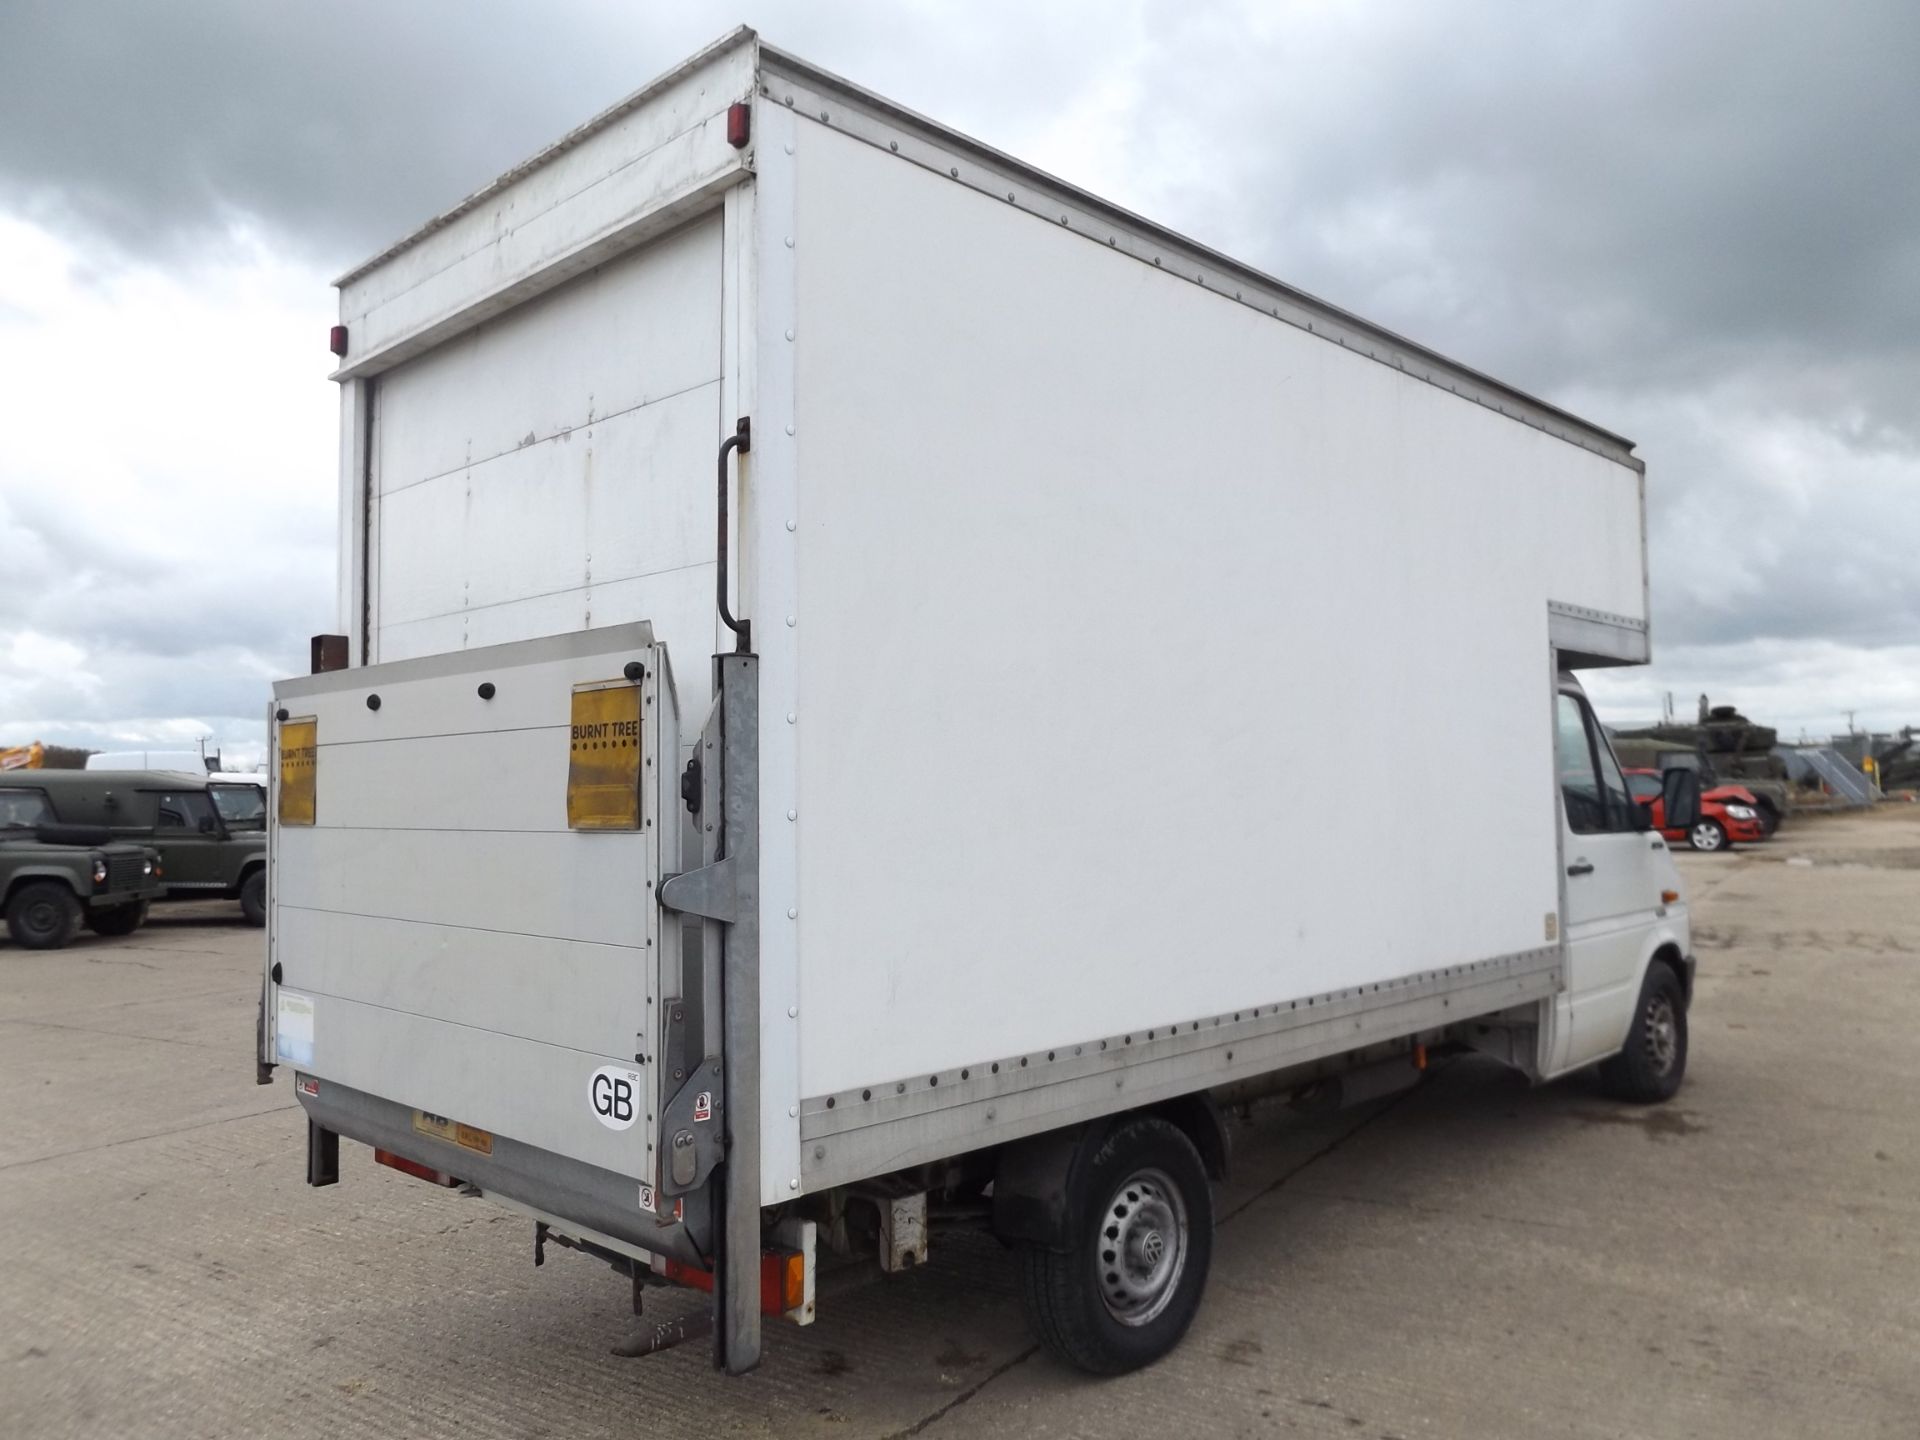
{"points": [[253, 898], [43, 915], [1707, 835], [1653, 1062], [1141, 1232], [118, 919]]}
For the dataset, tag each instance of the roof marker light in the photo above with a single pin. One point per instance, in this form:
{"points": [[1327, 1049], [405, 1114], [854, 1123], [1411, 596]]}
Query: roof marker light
{"points": [[739, 124], [337, 340]]}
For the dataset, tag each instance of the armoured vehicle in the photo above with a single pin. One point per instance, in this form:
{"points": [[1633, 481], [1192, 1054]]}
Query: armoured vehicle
{"points": [[53, 877], [1724, 747], [212, 845]]}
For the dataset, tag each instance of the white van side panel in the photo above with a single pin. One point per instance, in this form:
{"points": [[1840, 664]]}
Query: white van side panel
{"points": [[1135, 633]]}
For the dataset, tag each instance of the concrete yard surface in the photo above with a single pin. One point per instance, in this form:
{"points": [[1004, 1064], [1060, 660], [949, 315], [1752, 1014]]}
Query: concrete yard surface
{"points": [[1474, 1258]]}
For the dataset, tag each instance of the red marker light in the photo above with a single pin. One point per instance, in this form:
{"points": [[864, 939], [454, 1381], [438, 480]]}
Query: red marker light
{"points": [[413, 1168], [783, 1280], [337, 340], [739, 124]]}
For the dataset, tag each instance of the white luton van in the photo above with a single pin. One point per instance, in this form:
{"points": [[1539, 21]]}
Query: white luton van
{"points": [[858, 674]]}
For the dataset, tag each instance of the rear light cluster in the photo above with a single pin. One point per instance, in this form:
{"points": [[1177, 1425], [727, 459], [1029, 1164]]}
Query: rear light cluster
{"points": [[413, 1168], [783, 1280]]}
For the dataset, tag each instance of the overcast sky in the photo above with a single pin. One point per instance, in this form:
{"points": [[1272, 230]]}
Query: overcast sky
{"points": [[1697, 224]]}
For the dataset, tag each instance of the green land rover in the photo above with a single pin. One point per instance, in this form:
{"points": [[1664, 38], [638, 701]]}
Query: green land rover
{"points": [[212, 844], [54, 876]]}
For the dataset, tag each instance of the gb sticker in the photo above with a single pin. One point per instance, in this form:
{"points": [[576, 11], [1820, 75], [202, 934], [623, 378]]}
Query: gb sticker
{"points": [[614, 1094]]}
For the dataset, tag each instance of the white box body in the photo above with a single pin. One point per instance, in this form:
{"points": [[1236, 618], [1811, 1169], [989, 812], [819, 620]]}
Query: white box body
{"points": [[1122, 614]]}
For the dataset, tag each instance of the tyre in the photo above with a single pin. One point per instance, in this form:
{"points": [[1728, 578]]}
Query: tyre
{"points": [[1651, 1066], [1769, 818], [253, 897], [1141, 1226], [1708, 835], [43, 915], [118, 919]]}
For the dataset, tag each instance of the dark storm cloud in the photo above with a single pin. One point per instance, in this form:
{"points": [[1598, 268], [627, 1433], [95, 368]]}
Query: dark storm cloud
{"points": [[1697, 223], [343, 125], [334, 124], [1630, 195]]}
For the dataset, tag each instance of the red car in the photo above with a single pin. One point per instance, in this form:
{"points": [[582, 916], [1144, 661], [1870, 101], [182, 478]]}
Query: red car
{"points": [[1727, 813]]}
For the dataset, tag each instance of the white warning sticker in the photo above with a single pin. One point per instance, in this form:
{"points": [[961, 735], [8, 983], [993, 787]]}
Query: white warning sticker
{"points": [[614, 1094], [293, 1028]]}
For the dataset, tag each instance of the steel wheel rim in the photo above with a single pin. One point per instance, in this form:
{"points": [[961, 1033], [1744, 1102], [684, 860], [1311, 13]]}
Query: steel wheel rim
{"points": [[1663, 1033], [1141, 1250], [1706, 836], [42, 917]]}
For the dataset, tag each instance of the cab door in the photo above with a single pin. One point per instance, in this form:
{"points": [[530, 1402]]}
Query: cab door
{"points": [[187, 833], [1612, 899]]}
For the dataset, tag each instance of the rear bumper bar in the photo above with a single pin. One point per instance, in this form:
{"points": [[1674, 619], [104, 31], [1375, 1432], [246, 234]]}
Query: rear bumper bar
{"points": [[599, 1200]]}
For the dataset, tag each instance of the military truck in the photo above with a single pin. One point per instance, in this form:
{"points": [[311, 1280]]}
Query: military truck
{"points": [[206, 854], [53, 877], [1725, 748]]}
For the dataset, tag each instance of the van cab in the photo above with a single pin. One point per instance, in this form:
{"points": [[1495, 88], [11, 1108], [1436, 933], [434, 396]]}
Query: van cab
{"points": [[1629, 948], [205, 854]]}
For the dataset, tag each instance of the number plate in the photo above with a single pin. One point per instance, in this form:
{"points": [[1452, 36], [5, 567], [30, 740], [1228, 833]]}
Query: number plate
{"points": [[467, 1137]]}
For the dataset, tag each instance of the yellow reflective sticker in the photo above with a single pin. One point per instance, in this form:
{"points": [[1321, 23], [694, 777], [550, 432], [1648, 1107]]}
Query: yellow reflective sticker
{"points": [[468, 1137], [603, 773], [299, 742]]}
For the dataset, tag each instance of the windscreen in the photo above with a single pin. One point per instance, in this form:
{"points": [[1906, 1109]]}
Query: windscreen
{"points": [[242, 807], [24, 809]]}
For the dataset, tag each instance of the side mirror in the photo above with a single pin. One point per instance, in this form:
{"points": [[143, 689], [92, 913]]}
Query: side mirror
{"points": [[1680, 792], [206, 825], [1643, 815]]}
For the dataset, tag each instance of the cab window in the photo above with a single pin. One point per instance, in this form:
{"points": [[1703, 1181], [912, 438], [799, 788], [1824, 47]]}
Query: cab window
{"points": [[24, 809], [1619, 806], [1579, 778], [183, 810], [1593, 789], [243, 807], [1643, 787]]}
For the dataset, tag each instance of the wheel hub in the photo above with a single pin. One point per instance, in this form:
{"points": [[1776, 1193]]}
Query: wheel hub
{"points": [[1142, 1247], [1663, 1033]]}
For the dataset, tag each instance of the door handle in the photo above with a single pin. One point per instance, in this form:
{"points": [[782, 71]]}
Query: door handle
{"points": [[1579, 867], [741, 440]]}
